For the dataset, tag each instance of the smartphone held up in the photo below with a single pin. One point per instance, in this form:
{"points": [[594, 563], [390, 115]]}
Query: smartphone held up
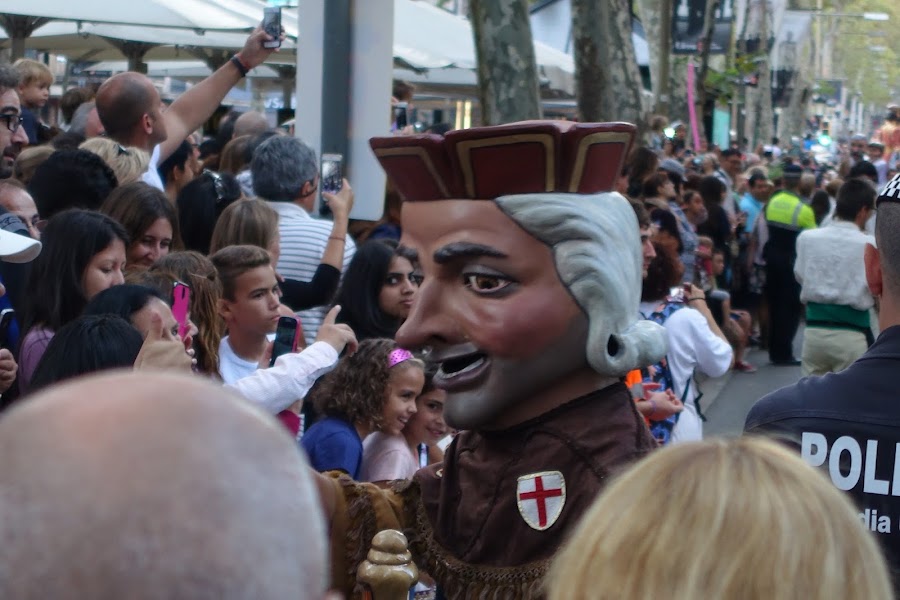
{"points": [[677, 294], [331, 179], [6, 318], [287, 337], [272, 25], [181, 307]]}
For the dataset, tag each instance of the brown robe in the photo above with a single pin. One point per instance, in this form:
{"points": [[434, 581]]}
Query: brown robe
{"points": [[462, 516]]}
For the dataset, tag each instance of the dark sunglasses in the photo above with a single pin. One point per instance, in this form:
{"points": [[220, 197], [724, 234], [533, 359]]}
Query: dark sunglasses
{"points": [[218, 184]]}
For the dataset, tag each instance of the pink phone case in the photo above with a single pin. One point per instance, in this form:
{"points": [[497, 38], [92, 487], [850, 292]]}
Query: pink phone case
{"points": [[181, 300]]}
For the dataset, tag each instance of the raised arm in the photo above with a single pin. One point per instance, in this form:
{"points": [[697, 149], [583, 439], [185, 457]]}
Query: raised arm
{"points": [[300, 295], [196, 105], [340, 205]]}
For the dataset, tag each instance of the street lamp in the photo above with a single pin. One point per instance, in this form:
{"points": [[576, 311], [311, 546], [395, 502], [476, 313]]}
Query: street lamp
{"points": [[876, 16]]}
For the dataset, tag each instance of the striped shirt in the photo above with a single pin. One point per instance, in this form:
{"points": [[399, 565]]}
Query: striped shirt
{"points": [[303, 241]]}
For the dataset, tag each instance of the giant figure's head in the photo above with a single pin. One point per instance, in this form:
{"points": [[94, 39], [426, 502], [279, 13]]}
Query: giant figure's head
{"points": [[531, 273]]}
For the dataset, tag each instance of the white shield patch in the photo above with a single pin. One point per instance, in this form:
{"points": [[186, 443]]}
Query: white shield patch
{"points": [[541, 497]]}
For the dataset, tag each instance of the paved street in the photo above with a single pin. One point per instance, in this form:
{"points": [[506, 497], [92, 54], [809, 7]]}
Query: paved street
{"points": [[733, 396]]}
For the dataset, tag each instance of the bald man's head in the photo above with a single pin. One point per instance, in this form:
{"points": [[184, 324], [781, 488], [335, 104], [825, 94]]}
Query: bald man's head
{"points": [[250, 123], [140, 486], [129, 109]]}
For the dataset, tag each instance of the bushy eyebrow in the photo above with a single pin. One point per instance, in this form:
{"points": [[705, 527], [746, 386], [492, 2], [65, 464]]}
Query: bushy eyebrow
{"points": [[408, 253], [456, 250]]}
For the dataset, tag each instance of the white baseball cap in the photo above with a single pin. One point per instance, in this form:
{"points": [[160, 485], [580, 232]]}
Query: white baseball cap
{"points": [[15, 244]]}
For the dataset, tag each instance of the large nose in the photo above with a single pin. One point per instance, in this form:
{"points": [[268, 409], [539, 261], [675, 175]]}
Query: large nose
{"points": [[408, 287], [20, 136], [274, 300], [430, 321], [118, 277]]}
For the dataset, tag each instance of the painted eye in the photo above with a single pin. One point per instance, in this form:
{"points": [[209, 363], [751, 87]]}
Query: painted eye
{"points": [[486, 283]]}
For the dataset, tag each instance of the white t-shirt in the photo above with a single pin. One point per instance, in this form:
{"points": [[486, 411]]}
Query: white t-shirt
{"points": [[151, 175], [830, 267], [231, 366], [387, 457], [276, 388], [692, 345]]}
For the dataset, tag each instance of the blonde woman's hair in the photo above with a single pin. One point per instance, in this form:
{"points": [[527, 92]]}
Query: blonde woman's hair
{"points": [[29, 160], [722, 519], [128, 163], [245, 222]]}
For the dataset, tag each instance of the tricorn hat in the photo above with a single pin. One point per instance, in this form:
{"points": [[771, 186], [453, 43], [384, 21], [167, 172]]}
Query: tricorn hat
{"points": [[483, 163]]}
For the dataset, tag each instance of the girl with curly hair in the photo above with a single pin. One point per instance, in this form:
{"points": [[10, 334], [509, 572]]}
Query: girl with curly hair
{"points": [[387, 456], [375, 389]]}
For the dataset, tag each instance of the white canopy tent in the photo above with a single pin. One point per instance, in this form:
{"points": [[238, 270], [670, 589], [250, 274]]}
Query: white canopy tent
{"points": [[427, 40], [427, 37], [103, 41], [21, 18], [221, 15]]}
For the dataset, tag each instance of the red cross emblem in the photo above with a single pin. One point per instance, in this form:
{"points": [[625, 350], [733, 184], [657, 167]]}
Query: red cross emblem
{"points": [[540, 498]]}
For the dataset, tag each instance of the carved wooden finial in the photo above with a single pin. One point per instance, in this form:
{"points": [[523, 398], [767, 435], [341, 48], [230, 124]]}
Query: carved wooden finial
{"points": [[388, 572]]}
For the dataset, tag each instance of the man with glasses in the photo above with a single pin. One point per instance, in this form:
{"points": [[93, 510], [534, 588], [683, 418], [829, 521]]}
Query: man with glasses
{"points": [[12, 136]]}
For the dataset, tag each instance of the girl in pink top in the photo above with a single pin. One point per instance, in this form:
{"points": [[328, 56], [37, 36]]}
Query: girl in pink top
{"points": [[388, 456]]}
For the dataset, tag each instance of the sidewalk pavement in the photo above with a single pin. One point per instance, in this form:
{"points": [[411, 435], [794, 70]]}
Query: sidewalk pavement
{"points": [[712, 388]]}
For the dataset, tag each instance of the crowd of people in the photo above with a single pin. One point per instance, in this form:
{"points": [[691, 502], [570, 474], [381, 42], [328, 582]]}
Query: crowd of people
{"points": [[497, 338], [732, 221]]}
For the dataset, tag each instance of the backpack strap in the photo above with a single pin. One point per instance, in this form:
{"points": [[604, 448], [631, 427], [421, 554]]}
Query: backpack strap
{"points": [[697, 399]]}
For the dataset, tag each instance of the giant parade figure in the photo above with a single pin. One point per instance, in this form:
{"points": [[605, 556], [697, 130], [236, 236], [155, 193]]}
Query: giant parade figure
{"points": [[889, 134], [529, 305]]}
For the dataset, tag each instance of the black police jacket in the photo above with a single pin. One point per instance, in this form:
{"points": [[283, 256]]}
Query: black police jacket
{"points": [[848, 424]]}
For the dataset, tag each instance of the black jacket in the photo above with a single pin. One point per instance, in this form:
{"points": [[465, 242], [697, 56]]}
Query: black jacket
{"points": [[848, 424]]}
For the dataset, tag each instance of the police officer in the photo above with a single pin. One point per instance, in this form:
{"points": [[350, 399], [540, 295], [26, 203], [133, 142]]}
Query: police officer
{"points": [[786, 217], [847, 422]]}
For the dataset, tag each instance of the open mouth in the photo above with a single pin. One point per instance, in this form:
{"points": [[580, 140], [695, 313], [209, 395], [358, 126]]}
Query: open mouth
{"points": [[462, 364], [462, 371]]}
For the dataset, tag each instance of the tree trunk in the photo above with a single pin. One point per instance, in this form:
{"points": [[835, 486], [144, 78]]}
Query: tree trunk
{"points": [[709, 23], [651, 19], [748, 113], [765, 117], [792, 118], [607, 78], [678, 103], [507, 71]]}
